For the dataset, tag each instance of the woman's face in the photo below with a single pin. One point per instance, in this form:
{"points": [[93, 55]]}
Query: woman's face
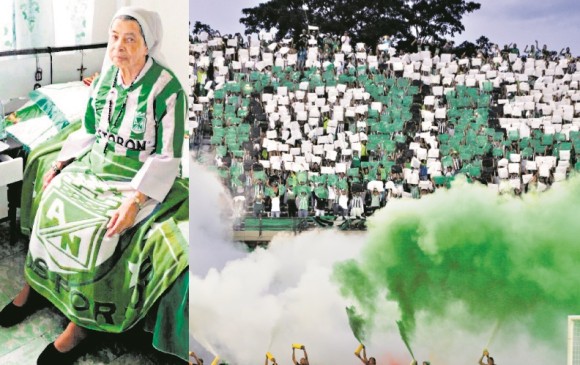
{"points": [[126, 47]]}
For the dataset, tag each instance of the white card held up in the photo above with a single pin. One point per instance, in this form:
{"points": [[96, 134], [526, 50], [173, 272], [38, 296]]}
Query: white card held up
{"points": [[415, 163], [318, 149], [265, 163], [329, 147], [544, 170], [433, 153], [502, 173], [514, 168], [286, 157], [327, 170], [331, 155], [413, 178], [422, 154]]}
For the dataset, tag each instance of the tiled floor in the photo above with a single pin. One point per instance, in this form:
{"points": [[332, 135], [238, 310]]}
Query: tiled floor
{"points": [[21, 344]]}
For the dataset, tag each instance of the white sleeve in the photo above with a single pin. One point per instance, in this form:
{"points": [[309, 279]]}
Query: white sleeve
{"points": [[75, 144], [156, 176]]}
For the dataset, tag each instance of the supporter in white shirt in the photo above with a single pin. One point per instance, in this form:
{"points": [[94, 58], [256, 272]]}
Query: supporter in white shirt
{"points": [[275, 202], [343, 203]]}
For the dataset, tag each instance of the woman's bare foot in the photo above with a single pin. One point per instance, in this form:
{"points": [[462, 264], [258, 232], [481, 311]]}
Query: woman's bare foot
{"points": [[70, 337]]}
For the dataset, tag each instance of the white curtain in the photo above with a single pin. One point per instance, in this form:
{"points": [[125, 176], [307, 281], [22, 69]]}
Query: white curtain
{"points": [[74, 19], [6, 25], [45, 23], [33, 23]]}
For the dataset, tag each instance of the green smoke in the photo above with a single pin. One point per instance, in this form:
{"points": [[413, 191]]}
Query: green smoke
{"points": [[405, 337], [505, 259], [357, 324]]}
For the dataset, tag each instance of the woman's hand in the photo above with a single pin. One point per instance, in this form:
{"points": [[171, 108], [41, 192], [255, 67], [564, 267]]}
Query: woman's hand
{"points": [[47, 178], [123, 217], [54, 170]]}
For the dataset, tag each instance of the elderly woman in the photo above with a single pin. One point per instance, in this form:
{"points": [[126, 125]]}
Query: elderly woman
{"points": [[109, 176]]}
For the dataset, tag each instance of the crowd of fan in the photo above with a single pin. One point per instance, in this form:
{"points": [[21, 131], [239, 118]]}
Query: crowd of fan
{"points": [[326, 126]]}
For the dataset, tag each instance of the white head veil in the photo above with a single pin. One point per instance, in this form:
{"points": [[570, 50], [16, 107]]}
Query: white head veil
{"points": [[150, 23]]}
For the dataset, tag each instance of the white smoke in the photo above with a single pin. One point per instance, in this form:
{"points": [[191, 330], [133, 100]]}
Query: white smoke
{"points": [[210, 214], [279, 296]]}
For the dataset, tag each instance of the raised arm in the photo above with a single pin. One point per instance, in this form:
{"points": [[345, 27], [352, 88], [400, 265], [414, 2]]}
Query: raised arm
{"points": [[485, 354], [194, 355], [364, 352], [364, 356]]}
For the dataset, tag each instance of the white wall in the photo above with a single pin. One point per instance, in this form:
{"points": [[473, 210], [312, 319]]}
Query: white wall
{"points": [[17, 73]]}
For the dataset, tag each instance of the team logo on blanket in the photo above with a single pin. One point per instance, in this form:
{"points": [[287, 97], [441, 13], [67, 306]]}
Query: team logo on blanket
{"points": [[73, 228], [138, 125]]}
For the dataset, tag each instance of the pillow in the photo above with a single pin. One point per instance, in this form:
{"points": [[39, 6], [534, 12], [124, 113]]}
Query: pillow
{"points": [[50, 109], [27, 111], [63, 103], [33, 132]]}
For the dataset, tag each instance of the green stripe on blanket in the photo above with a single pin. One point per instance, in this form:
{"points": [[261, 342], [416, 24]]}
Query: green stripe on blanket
{"points": [[37, 163]]}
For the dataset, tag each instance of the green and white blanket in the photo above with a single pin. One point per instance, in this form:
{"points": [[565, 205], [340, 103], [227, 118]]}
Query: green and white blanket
{"points": [[106, 284]]}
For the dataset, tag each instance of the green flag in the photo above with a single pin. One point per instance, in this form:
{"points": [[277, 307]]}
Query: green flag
{"points": [[259, 175], [321, 192]]}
